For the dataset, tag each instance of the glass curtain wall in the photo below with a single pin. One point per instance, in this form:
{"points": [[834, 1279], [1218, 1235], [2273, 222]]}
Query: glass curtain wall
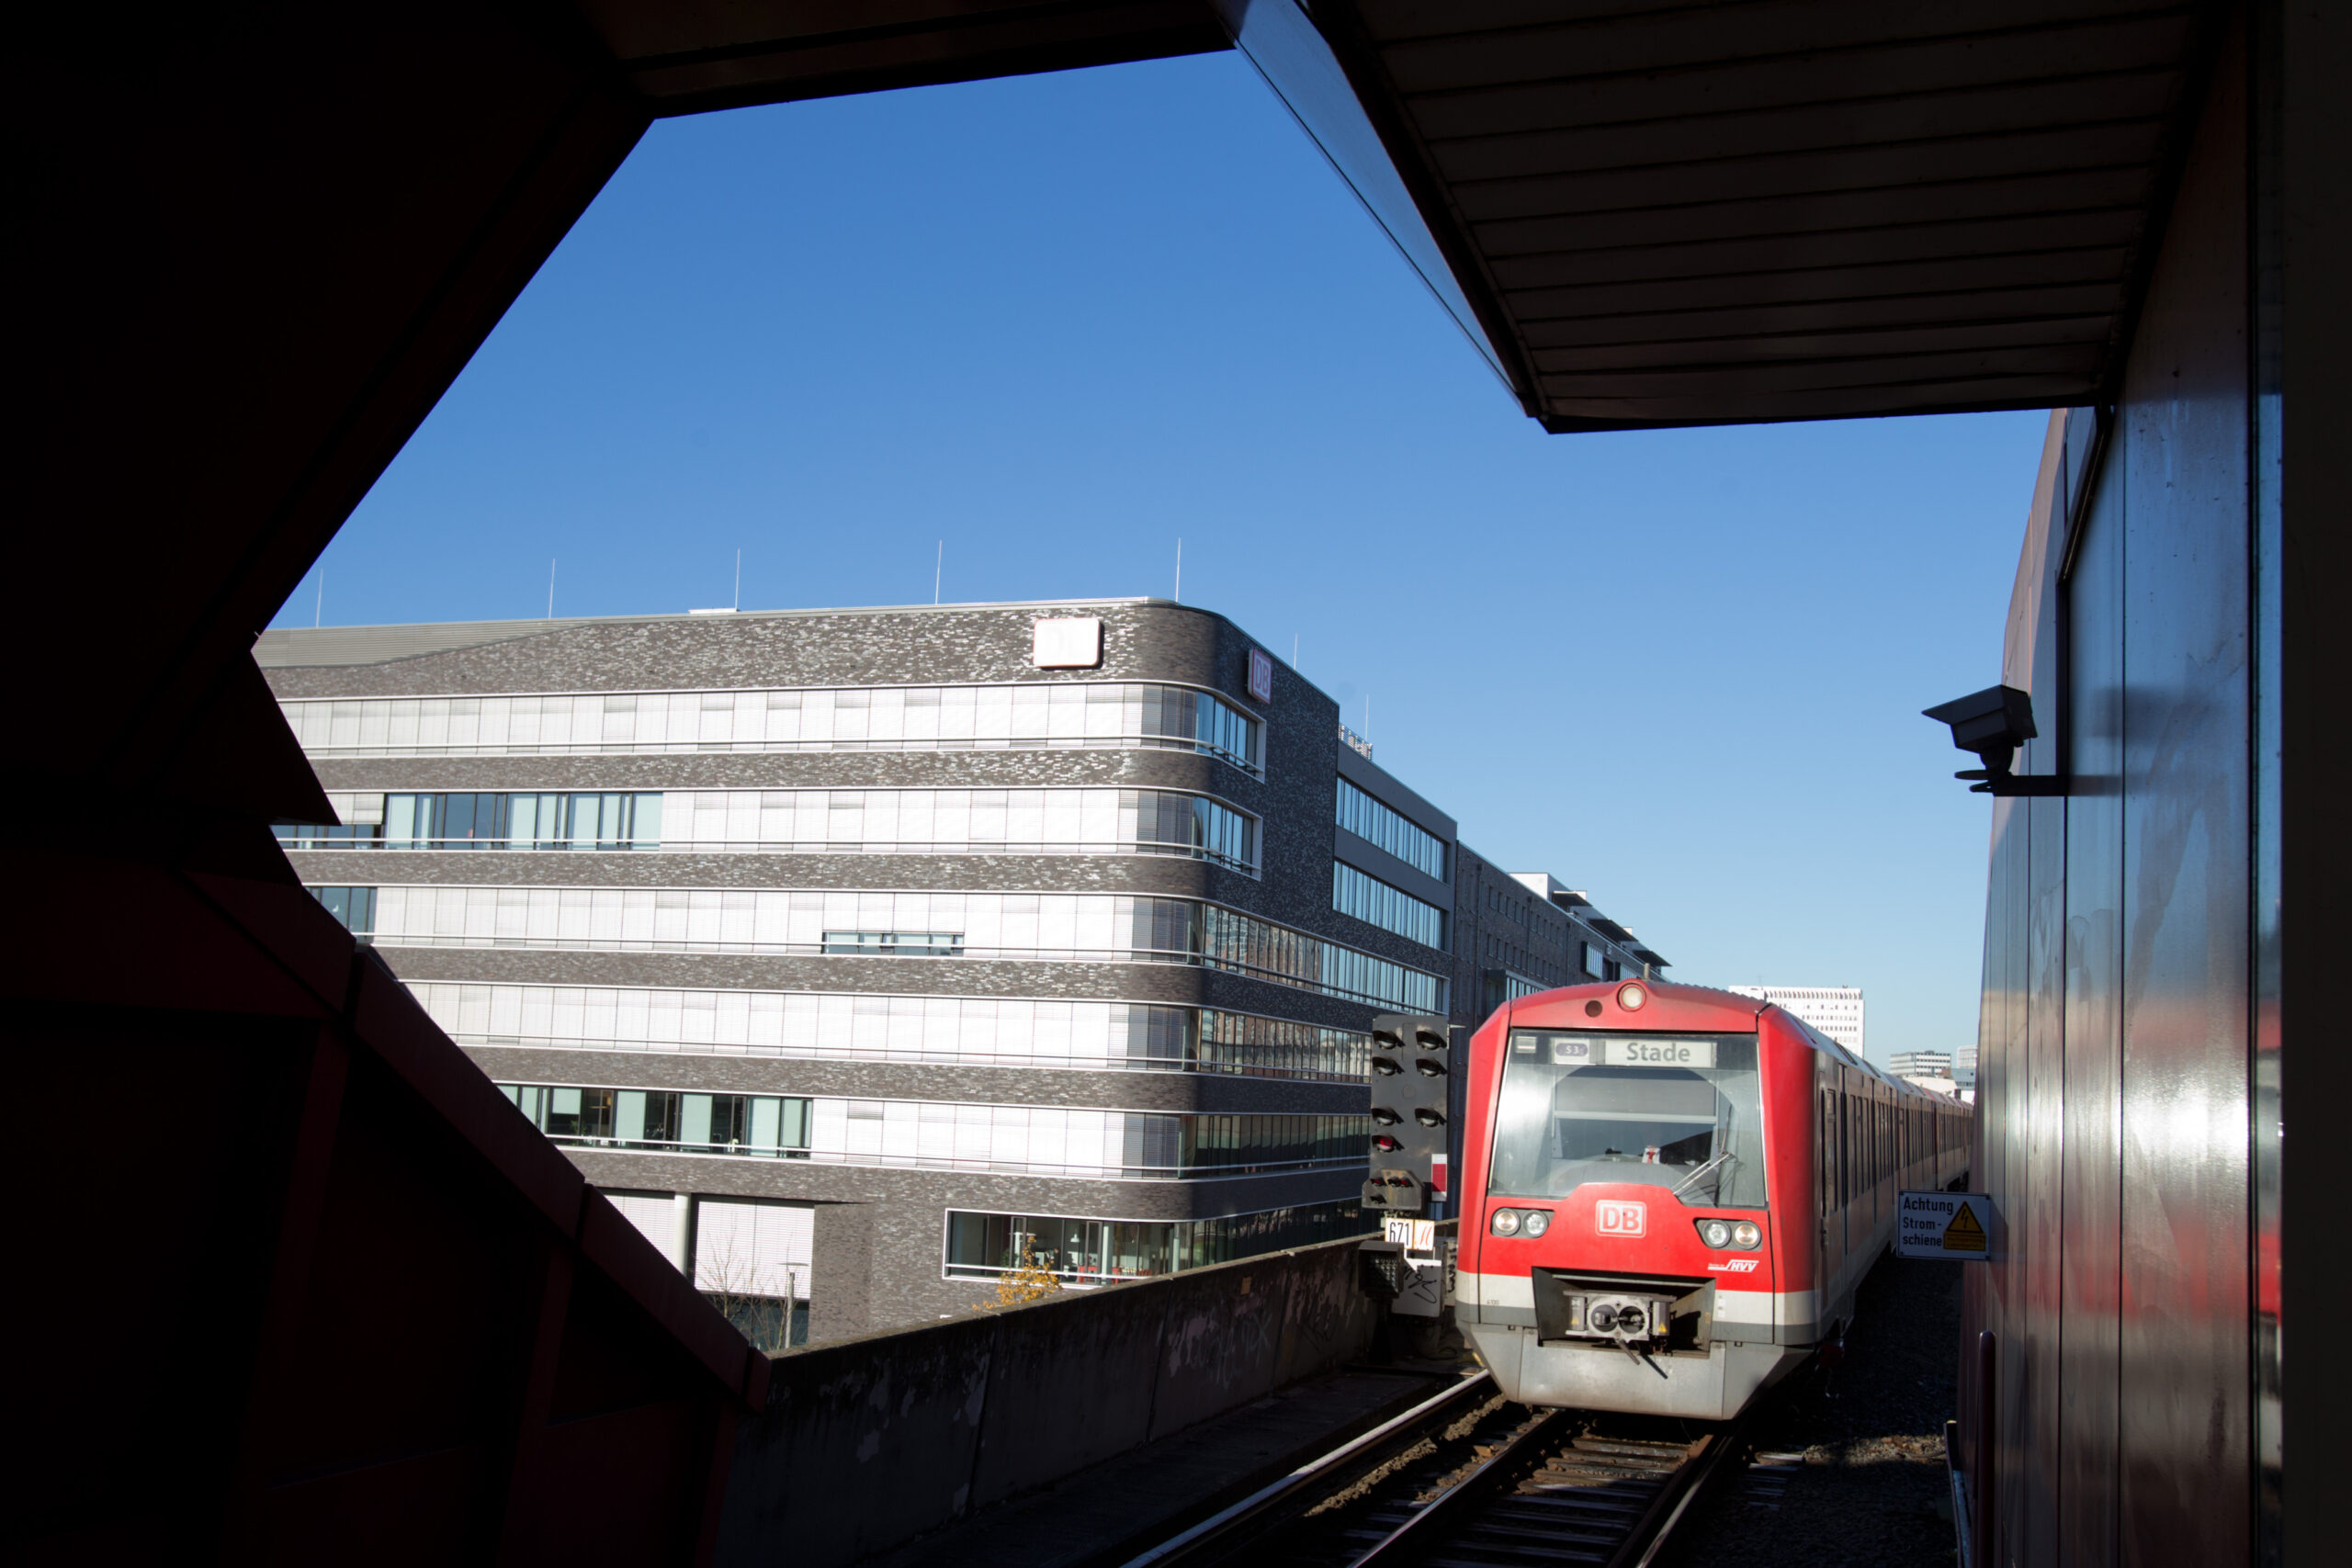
{"points": [[941, 1134], [1376, 903], [1036, 714], [1055, 926], [503, 821], [977, 1031], [658, 1121], [1084, 1252], [1369, 820]]}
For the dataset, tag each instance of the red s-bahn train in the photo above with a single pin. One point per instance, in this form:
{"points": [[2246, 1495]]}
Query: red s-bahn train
{"points": [[1670, 1193]]}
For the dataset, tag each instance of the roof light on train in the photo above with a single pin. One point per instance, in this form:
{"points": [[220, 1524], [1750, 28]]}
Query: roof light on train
{"points": [[1632, 995]]}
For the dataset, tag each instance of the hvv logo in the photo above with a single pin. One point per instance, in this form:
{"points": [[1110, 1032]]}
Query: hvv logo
{"points": [[1615, 1217]]}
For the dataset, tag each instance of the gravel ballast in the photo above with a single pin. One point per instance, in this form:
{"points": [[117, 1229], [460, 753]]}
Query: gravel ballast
{"points": [[1872, 1489]]}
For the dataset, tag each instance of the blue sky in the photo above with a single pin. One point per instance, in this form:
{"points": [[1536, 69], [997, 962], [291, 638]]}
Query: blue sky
{"points": [[1061, 322]]}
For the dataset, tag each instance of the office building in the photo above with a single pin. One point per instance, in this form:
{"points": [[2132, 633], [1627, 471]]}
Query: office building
{"points": [[1920, 1064], [861, 956], [1836, 1010]]}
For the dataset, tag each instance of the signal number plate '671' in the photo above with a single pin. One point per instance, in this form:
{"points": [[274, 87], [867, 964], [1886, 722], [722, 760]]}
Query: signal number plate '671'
{"points": [[1618, 1218]]}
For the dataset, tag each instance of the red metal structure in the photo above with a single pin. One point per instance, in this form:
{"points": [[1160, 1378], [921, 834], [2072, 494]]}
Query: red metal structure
{"points": [[1670, 1193], [323, 1295]]}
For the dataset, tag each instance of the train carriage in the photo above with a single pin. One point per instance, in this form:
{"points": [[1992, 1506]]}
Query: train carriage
{"points": [[1670, 1194]]}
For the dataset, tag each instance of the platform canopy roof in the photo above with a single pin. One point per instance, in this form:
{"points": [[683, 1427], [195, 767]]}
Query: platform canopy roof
{"points": [[259, 240], [1662, 213]]}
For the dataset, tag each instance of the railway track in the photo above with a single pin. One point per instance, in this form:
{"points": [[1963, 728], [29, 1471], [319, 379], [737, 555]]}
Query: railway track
{"points": [[1466, 1481]]}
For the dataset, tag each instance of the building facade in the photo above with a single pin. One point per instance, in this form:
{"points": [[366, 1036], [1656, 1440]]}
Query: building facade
{"points": [[1920, 1064], [1836, 1010], [866, 956]]}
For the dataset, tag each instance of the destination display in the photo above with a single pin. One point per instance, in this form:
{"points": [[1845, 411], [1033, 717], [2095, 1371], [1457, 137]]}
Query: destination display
{"points": [[1954, 1226], [1641, 1050]]}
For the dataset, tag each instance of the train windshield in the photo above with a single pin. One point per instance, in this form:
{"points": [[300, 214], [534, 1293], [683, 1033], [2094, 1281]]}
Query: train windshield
{"points": [[1679, 1112]]}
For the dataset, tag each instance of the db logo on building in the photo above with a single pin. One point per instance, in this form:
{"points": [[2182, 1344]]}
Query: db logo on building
{"points": [[1620, 1219]]}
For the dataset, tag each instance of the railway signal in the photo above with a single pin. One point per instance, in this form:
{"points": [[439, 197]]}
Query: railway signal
{"points": [[1411, 1076]]}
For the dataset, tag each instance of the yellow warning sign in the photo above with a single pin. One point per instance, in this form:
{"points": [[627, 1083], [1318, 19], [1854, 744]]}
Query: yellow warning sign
{"points": [[1953, 1227]]}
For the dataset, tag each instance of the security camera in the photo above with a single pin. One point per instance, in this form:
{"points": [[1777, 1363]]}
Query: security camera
{"points": [[1993, 723]]}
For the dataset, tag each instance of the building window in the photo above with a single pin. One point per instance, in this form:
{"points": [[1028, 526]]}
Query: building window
{"points": [[1082, 1251], [355, 907], [894, 944], [327, 836], [664, 1121], [1369, 820], [1252, 1046], [963, 822], [496, 821], [1592, 960], [1372, 901], [1031, 1140], [1230, 940], [1112, 714], [1611, 970], [1087, 1251]]}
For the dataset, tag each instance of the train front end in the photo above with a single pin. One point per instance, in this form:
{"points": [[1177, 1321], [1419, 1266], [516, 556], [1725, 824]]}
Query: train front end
{"points": [[1636, 1227]]}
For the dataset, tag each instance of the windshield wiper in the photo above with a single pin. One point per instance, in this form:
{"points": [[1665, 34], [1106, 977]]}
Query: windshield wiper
{"points": [[1700, 1175]]}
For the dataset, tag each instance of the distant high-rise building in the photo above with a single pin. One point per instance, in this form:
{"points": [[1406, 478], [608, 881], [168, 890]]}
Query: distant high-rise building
{"points": [[1836, 1010], [1920, 1064], [1963, 1067]]}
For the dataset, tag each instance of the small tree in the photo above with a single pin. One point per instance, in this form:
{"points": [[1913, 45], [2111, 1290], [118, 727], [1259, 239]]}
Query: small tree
{"points": [[1029, 1279], [732, 1284]]}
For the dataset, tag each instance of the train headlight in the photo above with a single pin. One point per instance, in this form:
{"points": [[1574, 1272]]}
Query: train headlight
{"points": [[1506, 1222], [1632, 995], [1747, 1236], [1715, 1232], [1385, 1144], [1538, 1220]]}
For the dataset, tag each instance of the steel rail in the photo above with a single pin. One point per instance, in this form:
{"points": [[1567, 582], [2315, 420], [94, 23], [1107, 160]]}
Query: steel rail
{"points": [[1227, 1520], [1673, 1503], [1421, 1527], [1456, 1510]]}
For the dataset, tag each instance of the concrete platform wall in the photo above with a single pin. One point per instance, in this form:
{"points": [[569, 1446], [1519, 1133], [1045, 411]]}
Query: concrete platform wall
{"points": [[868, 1443]]}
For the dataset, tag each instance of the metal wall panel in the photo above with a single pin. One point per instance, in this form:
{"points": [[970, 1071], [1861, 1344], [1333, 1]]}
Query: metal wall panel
{"points": [[2182, 462], [2040, 1234], [2114, 1088], [2091, 1205], [2005, 1142]]}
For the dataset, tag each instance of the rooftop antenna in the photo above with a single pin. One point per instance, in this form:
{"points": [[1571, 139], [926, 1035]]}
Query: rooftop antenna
{"points": [[550, 588], [1293, 650], [938, 565], [320, 608], [1180, 569], [738, 579]]}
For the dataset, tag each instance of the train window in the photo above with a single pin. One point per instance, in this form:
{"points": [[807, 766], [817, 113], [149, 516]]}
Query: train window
{"points": [[1680, 1112], [1829, 1147]]}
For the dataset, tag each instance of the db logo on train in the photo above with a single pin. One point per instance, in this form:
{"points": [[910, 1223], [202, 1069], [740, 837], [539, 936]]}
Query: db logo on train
{"points": [[1620, 1219]]}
